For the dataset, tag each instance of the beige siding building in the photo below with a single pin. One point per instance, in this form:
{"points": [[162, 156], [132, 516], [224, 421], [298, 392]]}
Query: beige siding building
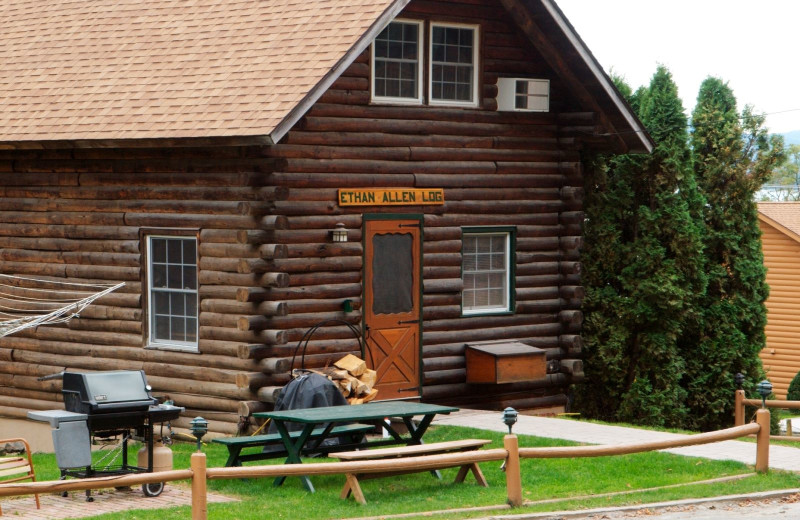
{"points": [[780, 228]]}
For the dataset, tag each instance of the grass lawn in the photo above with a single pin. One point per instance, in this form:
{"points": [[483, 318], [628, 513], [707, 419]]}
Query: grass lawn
{"points": [[541, 479]]}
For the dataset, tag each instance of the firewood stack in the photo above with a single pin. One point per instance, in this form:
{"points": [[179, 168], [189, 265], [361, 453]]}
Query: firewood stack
{"points": [[353, 378]]}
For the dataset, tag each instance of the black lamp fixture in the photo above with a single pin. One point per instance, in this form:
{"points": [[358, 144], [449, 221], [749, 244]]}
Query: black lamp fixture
{"points": [[739, 379], [199, 427], [509, 418], [764, 388]]}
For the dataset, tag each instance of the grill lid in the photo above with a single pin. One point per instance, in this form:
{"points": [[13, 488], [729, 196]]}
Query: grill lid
{"points": [[116, 391]]}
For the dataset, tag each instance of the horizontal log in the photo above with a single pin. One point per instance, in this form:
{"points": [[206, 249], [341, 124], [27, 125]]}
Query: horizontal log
{"points": [[264, 308], [316, 291], [202, 402], [268, 222], [491, 333], [339, 249], [248, 408], [226, 250], [164, 385], [270, 337], [274, 365], [79, 336], [269, 394], [272, 251], [256, 380], [59, 257]]}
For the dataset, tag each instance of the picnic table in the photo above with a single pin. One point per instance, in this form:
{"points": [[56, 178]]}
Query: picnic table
{"points": [[380, 413]]}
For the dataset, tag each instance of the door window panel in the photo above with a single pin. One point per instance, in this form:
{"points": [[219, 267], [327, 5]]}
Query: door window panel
{"points": [[392, 273]]}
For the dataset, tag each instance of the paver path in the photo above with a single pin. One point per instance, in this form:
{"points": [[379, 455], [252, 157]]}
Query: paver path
{"points": [[780, 457], [108, 501]]}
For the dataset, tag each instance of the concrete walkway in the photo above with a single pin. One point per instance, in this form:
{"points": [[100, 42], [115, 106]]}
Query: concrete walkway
{"points": [[780, 457]]}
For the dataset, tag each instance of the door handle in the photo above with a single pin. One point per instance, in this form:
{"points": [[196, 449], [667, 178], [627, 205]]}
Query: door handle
{"points": [[407, 321]]}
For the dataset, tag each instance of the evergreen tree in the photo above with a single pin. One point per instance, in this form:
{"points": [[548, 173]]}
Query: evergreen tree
{"points": [[642, 269], [733, 157]]}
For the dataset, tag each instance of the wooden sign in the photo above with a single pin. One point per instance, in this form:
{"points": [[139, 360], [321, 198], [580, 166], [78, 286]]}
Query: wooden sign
{"points": [[390, 196]]}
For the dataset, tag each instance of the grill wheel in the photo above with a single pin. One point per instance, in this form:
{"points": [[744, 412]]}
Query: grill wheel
{"points": [[153, 490]]}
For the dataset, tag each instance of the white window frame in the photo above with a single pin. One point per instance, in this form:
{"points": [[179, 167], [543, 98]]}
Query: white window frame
{"points": [[419, 100], [506, 307], [152, 341], [475, 62]]}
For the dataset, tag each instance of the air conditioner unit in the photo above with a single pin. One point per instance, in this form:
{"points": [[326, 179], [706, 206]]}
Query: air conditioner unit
{"points": [[523, 95]]}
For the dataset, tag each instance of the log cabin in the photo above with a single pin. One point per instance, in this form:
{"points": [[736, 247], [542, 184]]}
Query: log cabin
{"points": [[780, 239], [280, 184]]}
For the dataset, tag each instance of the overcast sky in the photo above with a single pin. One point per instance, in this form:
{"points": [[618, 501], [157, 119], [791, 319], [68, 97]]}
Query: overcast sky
{"points": [[754, 46]]}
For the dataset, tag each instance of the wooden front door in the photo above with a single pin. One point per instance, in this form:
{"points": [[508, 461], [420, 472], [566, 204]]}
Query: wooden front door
{"points": [[392, 306]]}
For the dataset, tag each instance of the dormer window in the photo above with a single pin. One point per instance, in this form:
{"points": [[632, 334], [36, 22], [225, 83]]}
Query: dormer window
{"points": [[453, 67], [397, 67], [452, 64]]}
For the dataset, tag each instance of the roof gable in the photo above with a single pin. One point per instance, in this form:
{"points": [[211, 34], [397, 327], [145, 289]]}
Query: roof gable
{"points": [[783, 216], [126, 70]]}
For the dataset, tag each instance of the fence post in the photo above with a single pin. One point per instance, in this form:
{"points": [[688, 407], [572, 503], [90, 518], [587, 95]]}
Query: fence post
{"points": [[513, 477], [762, 441], [199, 498], [738, 408]]}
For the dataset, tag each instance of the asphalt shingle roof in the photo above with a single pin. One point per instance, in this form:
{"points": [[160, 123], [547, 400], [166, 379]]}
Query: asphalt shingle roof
{"points": [[131, 69]]}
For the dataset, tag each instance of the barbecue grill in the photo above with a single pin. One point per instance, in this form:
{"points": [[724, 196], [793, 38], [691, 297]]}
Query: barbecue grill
{"points": [[105, 405]]}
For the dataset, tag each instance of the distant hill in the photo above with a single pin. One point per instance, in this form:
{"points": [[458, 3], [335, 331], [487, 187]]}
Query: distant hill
{"points": [[792, 137]]}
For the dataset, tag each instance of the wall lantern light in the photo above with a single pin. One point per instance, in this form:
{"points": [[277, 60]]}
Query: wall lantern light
{"points": [[339, 234]]}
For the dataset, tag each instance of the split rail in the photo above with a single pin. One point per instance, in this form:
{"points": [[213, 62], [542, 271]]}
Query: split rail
{"points": [[511, 454]]}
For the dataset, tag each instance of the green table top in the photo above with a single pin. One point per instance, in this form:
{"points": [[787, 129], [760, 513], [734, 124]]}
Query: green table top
{"points": [[358, 412]]}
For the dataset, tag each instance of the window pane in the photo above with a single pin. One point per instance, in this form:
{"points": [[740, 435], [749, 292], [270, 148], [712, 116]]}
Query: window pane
{"points": [[159, 275], [191, 329], [178, 329], [161, 303], [174, 252], [177, 304], [162, 327], [190, 277], [159, 250], [174, 276]]}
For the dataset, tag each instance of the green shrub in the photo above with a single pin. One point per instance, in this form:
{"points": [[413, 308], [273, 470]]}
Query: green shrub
{"points": [[794, 389]]}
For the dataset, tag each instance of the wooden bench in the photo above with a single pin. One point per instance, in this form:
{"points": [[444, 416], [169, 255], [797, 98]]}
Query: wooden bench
{"points": [[350, 433], [18, 467], [351, 479]]}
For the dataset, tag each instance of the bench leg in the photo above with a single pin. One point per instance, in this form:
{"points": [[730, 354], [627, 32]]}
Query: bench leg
{"points": [[463, 470], [351, 485]]}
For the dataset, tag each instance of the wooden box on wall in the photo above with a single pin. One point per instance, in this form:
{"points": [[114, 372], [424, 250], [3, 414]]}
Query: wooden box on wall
{"points": [[504, 362]]}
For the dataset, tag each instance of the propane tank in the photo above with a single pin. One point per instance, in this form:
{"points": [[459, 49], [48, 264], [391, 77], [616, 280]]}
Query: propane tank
{"points": [[162, 457]]}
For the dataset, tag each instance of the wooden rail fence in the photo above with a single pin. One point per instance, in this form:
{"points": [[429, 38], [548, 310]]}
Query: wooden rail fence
{"points": [[511, 453]]}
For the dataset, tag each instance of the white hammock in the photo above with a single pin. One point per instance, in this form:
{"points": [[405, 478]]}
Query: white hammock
{"points": [[30, 302]]}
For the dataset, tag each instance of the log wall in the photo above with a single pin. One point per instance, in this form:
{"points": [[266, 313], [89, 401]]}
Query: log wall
{"points": [[781, 356], [267, 268], [520, 169]]}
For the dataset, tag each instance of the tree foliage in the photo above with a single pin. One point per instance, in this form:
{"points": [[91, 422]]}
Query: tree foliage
{"points": [[642, 269], [733, 157], [674, 273]]}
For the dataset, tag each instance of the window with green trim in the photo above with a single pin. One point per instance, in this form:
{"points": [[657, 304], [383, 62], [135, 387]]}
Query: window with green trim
{"points": [[486, 272]]}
